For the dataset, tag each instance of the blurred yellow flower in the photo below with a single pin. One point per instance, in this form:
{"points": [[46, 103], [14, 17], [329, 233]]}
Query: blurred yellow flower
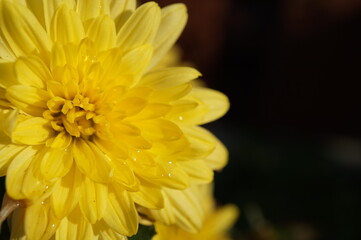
{"points": [[89, 127], [217, 223]]}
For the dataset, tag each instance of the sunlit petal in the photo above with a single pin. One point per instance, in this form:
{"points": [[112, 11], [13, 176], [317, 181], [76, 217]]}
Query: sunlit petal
{"points": [[120, 213], [140, 28]]}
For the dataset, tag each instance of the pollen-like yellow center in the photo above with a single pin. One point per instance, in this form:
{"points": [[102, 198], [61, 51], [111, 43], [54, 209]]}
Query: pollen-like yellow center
{"points": [[77, 117]]}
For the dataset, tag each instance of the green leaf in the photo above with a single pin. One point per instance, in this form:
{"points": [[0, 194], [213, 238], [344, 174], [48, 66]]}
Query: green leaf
{"points": [[144, 233]]}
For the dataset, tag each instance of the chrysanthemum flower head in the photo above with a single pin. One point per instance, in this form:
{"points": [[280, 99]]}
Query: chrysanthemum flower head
{"points": [[90, 129]]}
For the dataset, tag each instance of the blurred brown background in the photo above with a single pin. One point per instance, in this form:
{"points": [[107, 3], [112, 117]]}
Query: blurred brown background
{"points": [[292, 71]]}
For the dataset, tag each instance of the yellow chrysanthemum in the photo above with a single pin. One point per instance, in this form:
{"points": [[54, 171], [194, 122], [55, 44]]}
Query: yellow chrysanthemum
{"points": [[90, 129], [216, 225]]}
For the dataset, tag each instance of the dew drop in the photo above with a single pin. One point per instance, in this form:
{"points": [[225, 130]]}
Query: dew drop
{"points": [[180, 118]]}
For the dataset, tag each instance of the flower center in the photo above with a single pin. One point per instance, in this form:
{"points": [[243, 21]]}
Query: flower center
{"points": [[77, 117]]}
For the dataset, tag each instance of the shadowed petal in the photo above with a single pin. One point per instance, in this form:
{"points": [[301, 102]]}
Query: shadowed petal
{"points": [[120, 214], [93, 200], [20, 30]]}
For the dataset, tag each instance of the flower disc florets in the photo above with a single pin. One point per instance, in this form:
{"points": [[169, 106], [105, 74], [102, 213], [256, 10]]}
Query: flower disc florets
{"points": [[75, 117]]}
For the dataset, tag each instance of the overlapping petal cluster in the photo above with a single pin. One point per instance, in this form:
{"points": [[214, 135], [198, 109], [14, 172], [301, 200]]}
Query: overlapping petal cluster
{"points": [[91, 130], [217, 223]]}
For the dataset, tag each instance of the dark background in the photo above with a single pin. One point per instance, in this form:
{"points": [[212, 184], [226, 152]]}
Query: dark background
{"points": [[291, 69]]}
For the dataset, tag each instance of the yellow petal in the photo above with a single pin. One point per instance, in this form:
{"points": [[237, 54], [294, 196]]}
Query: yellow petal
{"points": [[170, 149], [125, 69], [134, 62], [160, 130], [112, 149], [218, 158], [124, 175], [8, 152], [62, 140], [170, 77], [66, 195], [55, 162], [32, 71], [153, 110], [171, 94], [34, 185], [163, 231], [8, 119], [182, 208], [137, 142], [58, 57], [32, 131], [164, 215], [17, 171], [167, 173], [144, 163], [7, 74], [102, 32], [45, 9], [105, 232], [29, 99], [117, 8], [93, 200], [223, 219], [89, 9], [5, 53], [74, 227], [17, 224], [198, 171], [110, 63], [140, 28], [212, 105], [4, 139], [52, 226], [4, 103], [138, 91], [131, 106], [121, 214], [125, 128], [21, 31], [36, 221], [202, 143], [148, 196], [174, 19], [181, 107], [92, 162], [66, 26]]}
